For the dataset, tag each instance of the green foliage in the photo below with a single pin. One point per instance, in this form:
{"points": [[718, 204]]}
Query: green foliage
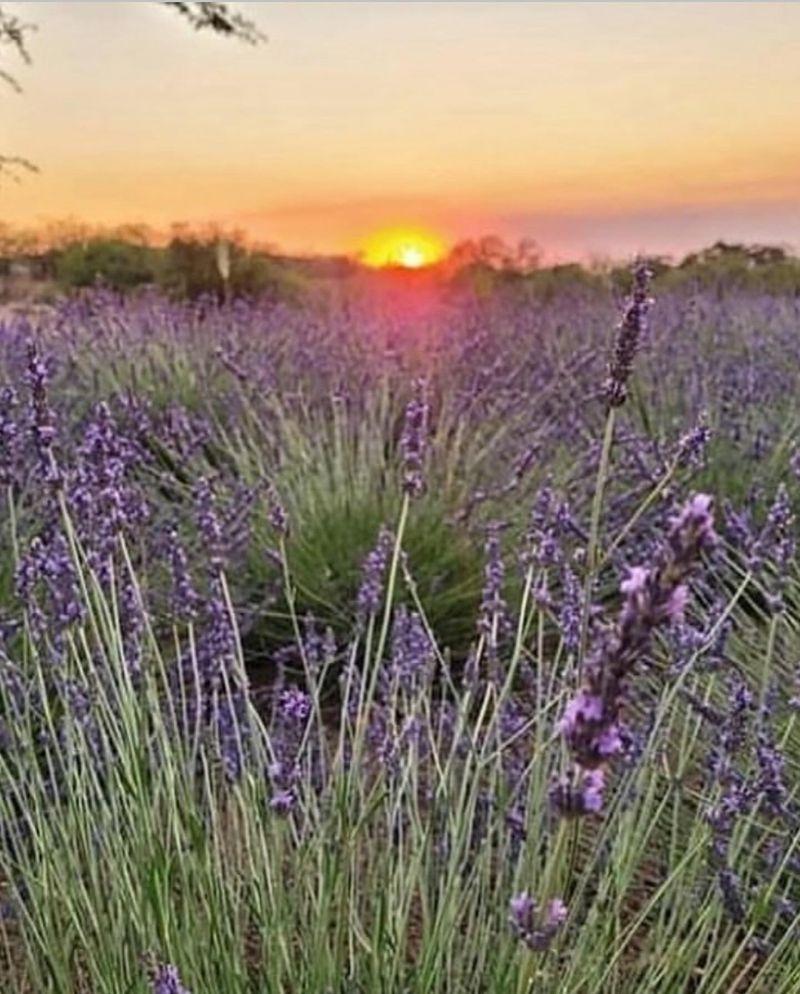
{"points": [[326, 554], [190, 267], [728, 267], [108, 261]]}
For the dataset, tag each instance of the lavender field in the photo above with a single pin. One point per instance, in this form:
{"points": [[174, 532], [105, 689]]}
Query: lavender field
{"points": [[351, 648]]}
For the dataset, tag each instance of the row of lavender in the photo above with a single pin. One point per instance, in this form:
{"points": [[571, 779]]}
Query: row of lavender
{"points": [[152, 454]]}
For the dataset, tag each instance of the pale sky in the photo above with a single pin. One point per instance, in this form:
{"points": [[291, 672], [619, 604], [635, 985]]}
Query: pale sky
{"points": [[592, 127]]}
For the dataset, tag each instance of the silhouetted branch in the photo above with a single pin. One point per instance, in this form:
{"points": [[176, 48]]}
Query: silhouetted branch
{"points": [[12, 165], [12, 34], [218, 17]]}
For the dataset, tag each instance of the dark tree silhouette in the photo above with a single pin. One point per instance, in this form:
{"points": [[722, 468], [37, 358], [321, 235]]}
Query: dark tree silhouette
{"points": [[216, 17]]}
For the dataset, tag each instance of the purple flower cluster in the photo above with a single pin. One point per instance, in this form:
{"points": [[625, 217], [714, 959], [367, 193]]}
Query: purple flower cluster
{"points": [[412, 653], [654, 596], [536, 929]]}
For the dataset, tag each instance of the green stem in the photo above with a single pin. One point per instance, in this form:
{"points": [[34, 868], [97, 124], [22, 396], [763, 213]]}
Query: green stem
{"points": [[637, 514], [594, 530]]}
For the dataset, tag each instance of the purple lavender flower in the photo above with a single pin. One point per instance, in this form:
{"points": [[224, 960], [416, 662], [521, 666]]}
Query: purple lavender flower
{"points": [[102, 499], [692, 446], [373, 574], [412, 654], [167, 981], [777, 544], [276, 513], [632, 329], [294, 706], [769, 551], [569, 617], [41, 418], [527, 923], [542, 532], [730, 890], [315, 645], [738, 526], [283, 802], [185, 599], [48, 567], [493, 621], [414, 441], [9, 436], [771, 784], [384, 740], [208, 524], [654, 596], [579, 792]]}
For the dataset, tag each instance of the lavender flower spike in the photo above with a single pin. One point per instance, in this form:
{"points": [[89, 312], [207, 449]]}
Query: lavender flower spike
{"points": [[167, 981], [373, 574], [654, 596], [414, 441], [537, 931], [631, 329]]}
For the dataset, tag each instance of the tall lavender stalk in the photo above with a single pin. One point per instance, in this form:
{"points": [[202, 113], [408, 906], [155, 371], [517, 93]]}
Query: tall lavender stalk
{"points": [[655, 595], [631, 329], [413, 442]]}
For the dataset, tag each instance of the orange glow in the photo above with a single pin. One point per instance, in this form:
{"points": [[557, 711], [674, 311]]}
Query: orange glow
{"points": [[408, 248]]}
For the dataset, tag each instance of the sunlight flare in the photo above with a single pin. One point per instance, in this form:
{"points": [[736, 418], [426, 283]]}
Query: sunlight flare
{"points": [[407, 248]]}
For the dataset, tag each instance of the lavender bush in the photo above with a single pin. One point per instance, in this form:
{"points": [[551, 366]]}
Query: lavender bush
{"points": [[344, 652]]}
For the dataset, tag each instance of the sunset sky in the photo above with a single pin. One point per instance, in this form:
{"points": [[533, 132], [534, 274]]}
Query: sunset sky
{"points": [[591, 127]]}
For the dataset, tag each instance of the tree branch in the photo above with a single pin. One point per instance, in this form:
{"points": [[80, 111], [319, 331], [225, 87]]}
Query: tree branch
{"points": [[12, 34], [218, 17], [12, 165]]}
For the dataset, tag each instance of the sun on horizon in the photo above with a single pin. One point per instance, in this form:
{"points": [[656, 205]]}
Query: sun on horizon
{"points": [[405, 248]]}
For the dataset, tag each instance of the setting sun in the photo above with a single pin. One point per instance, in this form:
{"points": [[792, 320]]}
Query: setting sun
{"points": [[404, 247]]}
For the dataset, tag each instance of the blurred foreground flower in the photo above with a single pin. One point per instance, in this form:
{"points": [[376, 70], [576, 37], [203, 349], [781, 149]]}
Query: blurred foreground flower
{"points": [[654, 595]]}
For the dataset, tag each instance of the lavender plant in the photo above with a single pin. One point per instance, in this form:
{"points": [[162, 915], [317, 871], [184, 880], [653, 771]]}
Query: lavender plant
{"points": [[524, 612]]}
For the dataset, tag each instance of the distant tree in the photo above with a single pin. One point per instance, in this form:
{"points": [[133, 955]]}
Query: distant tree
{"points": [[492, 252], [216, 17], [108, 261], [190, 267]]}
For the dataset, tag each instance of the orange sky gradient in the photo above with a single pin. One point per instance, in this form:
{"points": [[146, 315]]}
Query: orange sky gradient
{"points": [[595, 128]]}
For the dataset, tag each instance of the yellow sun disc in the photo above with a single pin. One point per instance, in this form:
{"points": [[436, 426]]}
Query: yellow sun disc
{"points": [[404, 247]]}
